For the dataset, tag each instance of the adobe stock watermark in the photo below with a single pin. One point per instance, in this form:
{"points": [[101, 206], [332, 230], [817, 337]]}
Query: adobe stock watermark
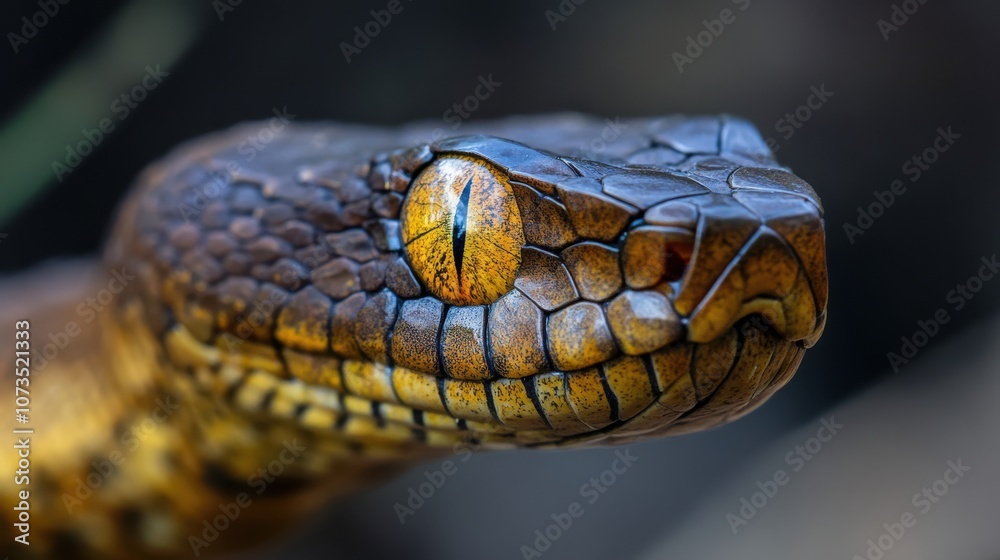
{"points": [[87, 311], [418, 497], [797, 459], [249, 148], [261, 310], [462, 110], [130, 440], [225, 7], [229, 512], [697, 43], [924, 501], [563, 11], [612, 130], [31, 25], [591, 491], [898, 16], [364, 34], [913, 169], [121, 107], [958, 297], [787, 125]]}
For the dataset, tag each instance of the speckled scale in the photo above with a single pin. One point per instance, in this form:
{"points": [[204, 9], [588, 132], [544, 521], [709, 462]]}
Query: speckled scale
{"points": [[594, 215], [595, 269], [400, 279], [415, 336], [374, 323], [516, 336], [546, 221], [545, 279]]}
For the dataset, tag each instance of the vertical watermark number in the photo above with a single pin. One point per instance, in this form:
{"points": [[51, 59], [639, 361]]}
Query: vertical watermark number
{"points": [[22, 435]]}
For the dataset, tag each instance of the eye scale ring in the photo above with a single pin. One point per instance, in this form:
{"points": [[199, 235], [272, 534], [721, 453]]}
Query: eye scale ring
{"points": [[462, 231]]}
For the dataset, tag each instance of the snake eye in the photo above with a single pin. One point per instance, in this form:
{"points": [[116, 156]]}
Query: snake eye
{"points": [[462, 231]]}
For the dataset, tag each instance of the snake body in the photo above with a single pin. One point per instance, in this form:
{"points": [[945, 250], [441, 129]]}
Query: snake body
{"points": [[335, 303]]}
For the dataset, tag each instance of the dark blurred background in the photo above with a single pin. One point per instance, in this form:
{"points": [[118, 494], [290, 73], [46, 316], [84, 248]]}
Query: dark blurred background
{"points": [[229, 62]]}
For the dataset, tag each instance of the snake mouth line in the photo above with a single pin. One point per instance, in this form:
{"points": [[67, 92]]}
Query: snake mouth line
{"points": [[680, 387], [636, 365], [674, 352]]}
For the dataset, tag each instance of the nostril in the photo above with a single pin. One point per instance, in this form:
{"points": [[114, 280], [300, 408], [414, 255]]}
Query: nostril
{"points": [[677, 258], [655, 254]]}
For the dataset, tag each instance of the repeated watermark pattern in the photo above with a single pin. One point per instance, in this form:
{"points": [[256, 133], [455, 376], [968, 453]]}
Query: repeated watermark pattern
{"points": [[797, 459], [958, 297], [364, 34], [130, 440], [87, 311], [257, 314], [787, 125], [591, 491], [563, 11], [121, 107], [611, 132], [249, 148], [923, 501], [31, 25], [225, 7], [230, 511], [417, 497], [263, 306], [462, 110], [913, 169], [713, 28], [898, 17]]}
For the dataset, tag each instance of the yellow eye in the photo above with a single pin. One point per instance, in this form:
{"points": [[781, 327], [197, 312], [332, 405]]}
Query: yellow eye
{"points": [[462, 231]]}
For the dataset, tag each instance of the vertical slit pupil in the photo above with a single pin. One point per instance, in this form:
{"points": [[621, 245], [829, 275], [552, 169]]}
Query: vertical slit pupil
{"points": [[458, 232]]}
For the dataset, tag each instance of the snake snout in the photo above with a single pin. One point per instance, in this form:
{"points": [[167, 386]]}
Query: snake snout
{"points": [[752, 253]]}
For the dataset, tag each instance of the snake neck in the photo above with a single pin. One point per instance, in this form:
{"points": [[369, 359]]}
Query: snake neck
{"points": [[132, 458]]}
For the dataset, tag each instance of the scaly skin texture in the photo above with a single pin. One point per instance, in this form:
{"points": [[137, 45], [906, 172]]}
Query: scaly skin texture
{"points": [[295, 319]]}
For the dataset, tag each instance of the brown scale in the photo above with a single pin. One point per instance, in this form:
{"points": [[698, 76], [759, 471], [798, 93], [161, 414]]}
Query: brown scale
{"points": [[378, 305]]}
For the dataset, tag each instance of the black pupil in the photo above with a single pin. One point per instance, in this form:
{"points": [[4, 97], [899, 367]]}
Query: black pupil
{"points": [[458, 233]]}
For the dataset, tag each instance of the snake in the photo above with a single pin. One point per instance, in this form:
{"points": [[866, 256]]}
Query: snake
{"points": [[288, 312]]}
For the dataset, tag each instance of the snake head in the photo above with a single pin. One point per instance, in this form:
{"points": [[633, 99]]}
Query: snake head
{"points": [[621, 283], [491, 287]]}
